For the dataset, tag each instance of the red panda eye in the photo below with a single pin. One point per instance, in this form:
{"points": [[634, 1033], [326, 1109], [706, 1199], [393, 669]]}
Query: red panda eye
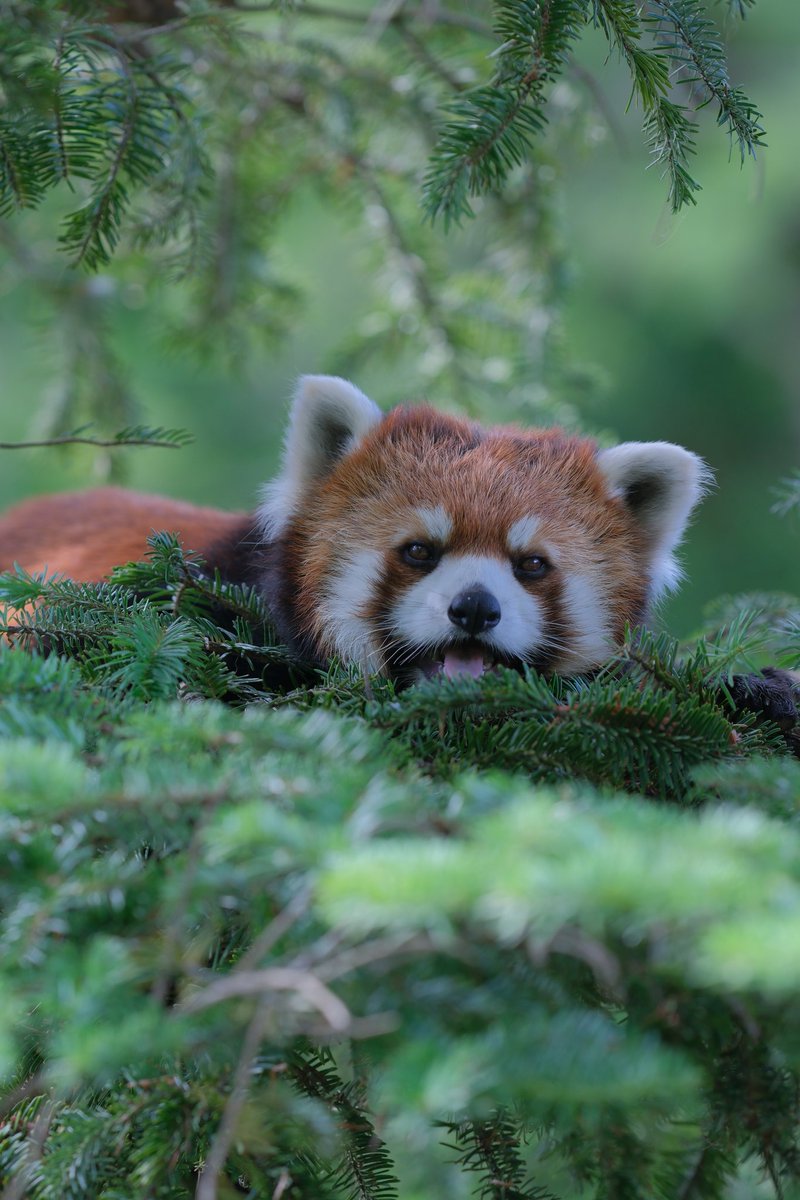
{"points": [[418, 554], [532, 567]]}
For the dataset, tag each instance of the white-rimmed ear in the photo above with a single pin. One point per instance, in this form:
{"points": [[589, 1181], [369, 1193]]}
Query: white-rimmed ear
{"points": [[660, 484], [328, 418]]}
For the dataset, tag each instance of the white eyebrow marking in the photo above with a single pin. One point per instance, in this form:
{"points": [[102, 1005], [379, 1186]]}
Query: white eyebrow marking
{"points": [[521, 534], [437, 522]]}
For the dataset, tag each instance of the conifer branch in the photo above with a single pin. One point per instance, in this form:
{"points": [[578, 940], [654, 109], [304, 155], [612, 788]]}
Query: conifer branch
{"points": [[697, 44], [140, 435], [491, 126], [491, 1147], [787, 495], [671, 137], [364, 1168], [740, 7]]}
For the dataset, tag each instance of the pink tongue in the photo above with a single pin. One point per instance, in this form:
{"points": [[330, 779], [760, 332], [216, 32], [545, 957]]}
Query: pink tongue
{"points": [[463, 662]]}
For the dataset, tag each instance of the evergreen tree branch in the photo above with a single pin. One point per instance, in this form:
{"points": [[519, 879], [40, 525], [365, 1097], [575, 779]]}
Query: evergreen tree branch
{"points": [[141, 435], [668, 131], [787, 496], [697, 44], [32, 1086], [671, 137], [34, 1149], [491, 126], [491, 1147], [365, 1168]]}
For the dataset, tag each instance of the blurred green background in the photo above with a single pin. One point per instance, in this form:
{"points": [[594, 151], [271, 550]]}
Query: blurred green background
{"points": [[672, 328]]}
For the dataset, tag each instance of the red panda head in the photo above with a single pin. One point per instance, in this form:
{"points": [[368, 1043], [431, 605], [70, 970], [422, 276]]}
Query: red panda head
{"points": [[415, 542]]}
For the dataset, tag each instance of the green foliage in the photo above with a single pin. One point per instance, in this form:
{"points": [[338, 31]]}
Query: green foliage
{"points": [[698, 46], [540, 930], [152, 627], [273, 932], [177, 148], [492, 1148], [105, 108], [94, 109], [493, 125]]}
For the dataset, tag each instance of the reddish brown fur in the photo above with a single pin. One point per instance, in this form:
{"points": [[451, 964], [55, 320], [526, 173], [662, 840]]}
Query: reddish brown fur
{"points": [[486, 479], [85, 534]]}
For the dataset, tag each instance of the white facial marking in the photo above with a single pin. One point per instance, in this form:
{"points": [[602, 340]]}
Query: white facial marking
{"points": [[590, 642], [437, 523], [350, 589], [522, 533], [420, 615]]}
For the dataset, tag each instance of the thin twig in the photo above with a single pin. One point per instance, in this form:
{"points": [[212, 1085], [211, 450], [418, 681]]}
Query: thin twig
{"points": [[85, 441], [18, 1187], [427, 59], [274, 979], [171, 945], [378, 950], [690, 1180], [34, 1084], [601, 100], [414, 268], [215, 1161], [284, 920], [442, 16]]}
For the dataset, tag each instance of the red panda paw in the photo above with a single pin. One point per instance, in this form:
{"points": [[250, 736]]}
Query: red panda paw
{"points": [[774, 695]]}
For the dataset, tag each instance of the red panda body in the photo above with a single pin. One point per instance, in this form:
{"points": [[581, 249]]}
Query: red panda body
{"points": [[415, 542], [85, 534]]}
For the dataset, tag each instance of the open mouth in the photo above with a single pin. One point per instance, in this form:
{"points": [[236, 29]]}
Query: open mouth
{"points": [[456, 660], [460, 660]]}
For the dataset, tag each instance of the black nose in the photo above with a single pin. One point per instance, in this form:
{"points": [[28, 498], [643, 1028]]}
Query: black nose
{"points": [[474, 611]]}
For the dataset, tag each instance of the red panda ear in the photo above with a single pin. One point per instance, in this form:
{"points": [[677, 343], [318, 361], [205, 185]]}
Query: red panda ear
{"points": [[660, 484], [328, 417]]}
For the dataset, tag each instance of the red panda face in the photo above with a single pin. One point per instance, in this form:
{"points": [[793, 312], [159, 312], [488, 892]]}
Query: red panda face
{"points": [[416, 543]]}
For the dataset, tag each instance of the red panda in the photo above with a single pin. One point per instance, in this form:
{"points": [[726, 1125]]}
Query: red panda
{"points": [[415, 543]]}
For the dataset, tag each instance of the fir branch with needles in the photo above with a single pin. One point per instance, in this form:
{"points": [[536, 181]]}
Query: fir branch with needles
{"points": [[533, 967], [102, 115], [135, 435], [787, 495], [668, 131], [364, 1170], [491, 127], [491, 1148], [155, 628], [112, 112], [696, 43]]}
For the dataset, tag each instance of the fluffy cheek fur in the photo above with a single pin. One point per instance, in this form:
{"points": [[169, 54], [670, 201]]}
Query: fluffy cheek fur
{"points": [[343, 626], [372, 614]]}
